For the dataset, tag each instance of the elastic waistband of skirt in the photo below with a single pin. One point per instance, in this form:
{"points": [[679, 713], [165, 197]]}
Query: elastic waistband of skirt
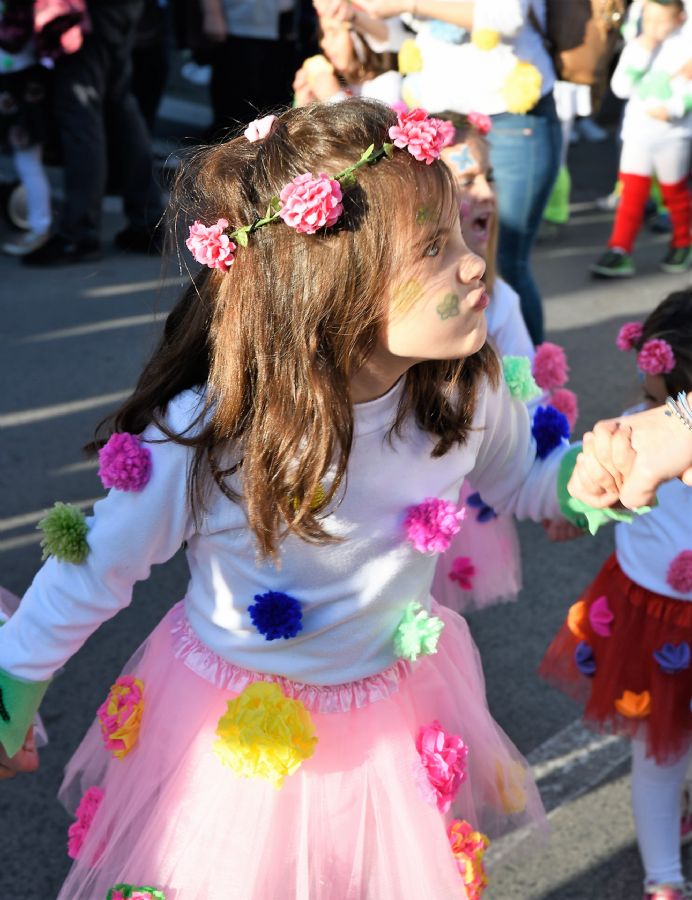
{"points": [[334, 698]]}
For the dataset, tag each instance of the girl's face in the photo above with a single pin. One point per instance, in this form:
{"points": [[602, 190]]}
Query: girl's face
{"points": [[470, 164], [436, 309], [336, 43]]}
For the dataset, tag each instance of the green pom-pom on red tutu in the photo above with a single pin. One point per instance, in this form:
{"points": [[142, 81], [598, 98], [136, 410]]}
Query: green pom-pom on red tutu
{"points": [[65, 534]]}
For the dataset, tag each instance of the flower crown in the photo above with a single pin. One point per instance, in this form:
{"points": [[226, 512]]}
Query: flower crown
{"points": [[309, 203], [654, 357]]}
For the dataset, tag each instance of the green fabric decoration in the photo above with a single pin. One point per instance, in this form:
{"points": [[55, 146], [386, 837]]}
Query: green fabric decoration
{"points": [[417, 634], [519, 378], [125, 891], [581, 514], [64, 534], [557, 208], [19, 701], [634, 74], [655, 86]]}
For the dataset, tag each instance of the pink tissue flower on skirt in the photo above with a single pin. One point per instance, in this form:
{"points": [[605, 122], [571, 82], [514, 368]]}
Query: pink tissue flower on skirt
{"points": [[85, 812], [462, 571], [444, 758]]}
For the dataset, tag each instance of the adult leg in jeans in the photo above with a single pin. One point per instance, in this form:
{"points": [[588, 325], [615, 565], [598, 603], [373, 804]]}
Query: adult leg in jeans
{"points": [[525, 153]]}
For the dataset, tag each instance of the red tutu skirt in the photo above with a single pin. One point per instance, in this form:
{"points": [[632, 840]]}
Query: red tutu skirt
{"points": [[624, 652], [358, 819]]}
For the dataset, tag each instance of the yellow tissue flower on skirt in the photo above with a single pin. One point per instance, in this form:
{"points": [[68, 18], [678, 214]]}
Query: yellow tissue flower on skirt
{"points": [[510, 783], [522, 88], [410, 58], [485, 38], [265, 734]]}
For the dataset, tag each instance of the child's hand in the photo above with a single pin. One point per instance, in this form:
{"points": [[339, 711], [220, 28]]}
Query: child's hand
{"points": [[606, 459], [25, 760], [559, 530], [658, 112]]}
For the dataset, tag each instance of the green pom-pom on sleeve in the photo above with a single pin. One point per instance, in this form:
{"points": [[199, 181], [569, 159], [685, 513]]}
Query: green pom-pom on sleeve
{"points": [[417, 634], [581, 514], [65, 534], [519, 378]]}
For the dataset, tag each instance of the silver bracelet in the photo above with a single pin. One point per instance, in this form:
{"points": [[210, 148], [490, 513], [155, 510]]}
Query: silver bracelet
{"points": [[680, 408]]}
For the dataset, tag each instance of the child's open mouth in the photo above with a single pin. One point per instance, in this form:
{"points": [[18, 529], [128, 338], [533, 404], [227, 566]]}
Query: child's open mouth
{"points": [[480, 225]]}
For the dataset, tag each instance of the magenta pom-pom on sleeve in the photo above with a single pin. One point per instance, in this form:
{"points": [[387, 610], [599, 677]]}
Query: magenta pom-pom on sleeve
{"points": [[680, 573], [124, 464], [565, 401], [550, 369]]}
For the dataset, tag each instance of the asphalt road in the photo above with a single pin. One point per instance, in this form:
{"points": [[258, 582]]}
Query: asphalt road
{"points": [[71, 344]]}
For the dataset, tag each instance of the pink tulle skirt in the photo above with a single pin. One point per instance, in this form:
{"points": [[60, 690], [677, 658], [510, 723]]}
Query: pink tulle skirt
{"points": [[492, 550], [355, 821]]}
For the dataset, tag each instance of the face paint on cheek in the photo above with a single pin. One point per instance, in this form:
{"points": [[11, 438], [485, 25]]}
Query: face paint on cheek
{"points": [[462, 159], [406, 294], [449, 307]]}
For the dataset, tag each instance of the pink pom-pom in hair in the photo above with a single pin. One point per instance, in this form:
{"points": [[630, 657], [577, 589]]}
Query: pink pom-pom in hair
{"points": [[680, 573], [550, 367], [431, 525], [308, 204], [656, 357], [629, 336], [259, 129], [210, 246], [565, 401], [85, 812], [480, 121], [420, 134], [124, 464]]}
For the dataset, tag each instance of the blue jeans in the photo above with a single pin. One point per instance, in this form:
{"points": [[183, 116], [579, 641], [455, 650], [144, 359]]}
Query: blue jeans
{"points": [[525, 154]]}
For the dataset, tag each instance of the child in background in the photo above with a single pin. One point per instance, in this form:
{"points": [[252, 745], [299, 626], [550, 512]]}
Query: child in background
{"points": [[656, 134], [349, 68], [22, 120], [626, 646], [306, 722], [483, 563]]}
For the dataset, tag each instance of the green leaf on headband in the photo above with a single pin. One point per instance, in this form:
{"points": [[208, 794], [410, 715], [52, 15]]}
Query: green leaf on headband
{"points": [[240, 234], [388, 150], [275, 204], [348, 180], [367, 154]]}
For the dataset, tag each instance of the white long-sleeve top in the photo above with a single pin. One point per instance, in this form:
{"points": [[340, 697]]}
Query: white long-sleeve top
{"points": [[353, 593], [506, 324], [648, 79]]}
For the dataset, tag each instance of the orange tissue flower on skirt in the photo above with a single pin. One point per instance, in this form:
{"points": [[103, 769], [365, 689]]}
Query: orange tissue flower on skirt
{"points": [[634, 706]]}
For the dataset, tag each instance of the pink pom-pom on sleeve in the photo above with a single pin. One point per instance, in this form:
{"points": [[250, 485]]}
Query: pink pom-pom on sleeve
{"points": [[259, 129], [210, 246], [124, 464], [656, 357], [423, 136], [550, 367], [629, 336], [565, 401], [680, 572]]}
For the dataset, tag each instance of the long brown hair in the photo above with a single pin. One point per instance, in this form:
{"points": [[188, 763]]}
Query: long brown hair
{"points": [[275, 340]]}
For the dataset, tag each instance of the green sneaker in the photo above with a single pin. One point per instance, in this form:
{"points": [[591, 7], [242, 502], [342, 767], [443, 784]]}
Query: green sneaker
{"points": [[614, 264], [677, 260]]}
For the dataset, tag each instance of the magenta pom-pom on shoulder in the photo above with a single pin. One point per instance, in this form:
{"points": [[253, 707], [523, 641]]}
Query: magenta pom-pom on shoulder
{"points": [[656, 357], [211, 246], [550, 369], [565, 401], [423, 136], [431, 525], [309, 203], [124, 464], [680, 573], [629, 336]]}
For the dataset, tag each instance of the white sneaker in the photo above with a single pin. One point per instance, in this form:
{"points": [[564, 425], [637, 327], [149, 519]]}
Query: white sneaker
{"points": [[25, 242]]}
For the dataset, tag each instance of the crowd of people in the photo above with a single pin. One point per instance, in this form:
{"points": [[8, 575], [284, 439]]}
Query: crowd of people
{"points": [[349, 406]]}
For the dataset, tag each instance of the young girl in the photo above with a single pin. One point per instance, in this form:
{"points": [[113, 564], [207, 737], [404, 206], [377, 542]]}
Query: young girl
{"points": [[625, 647], [305, 723], [656, 134], [483, 564]]}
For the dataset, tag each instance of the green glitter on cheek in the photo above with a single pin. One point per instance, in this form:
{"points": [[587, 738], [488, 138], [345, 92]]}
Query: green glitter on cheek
{"points": [[449, 307], [405, 295]]}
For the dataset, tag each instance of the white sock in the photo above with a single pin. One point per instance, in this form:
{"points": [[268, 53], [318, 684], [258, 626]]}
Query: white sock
{"points": [[29, 165], [656, 792]]}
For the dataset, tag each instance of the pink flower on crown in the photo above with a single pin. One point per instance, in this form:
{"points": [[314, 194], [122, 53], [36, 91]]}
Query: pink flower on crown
{"points": [[124, 464], [443, 757], [550, 368], [565, 401], [308, 204], [629, 336], [210, 246], [421, 135], [480, 121], [399, 107], [85, 812], [447, 131], [656, 357], [431, 525], [259, 129], [679, 575]]}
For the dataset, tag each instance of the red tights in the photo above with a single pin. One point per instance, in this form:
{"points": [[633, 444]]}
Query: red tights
{"points": [[630, 212]]}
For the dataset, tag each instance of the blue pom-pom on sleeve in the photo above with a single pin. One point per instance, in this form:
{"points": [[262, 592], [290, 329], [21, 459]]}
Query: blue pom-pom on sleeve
{"points": [[550, 428], [276, 615]]}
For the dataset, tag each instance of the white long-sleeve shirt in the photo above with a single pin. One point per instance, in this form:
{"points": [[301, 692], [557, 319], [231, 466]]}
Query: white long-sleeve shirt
{"points": [[353, 593]]}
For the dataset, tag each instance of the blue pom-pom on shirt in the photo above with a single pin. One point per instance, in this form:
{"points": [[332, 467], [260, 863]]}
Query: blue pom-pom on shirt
{"points": [[276, 615], [550, 427]]}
